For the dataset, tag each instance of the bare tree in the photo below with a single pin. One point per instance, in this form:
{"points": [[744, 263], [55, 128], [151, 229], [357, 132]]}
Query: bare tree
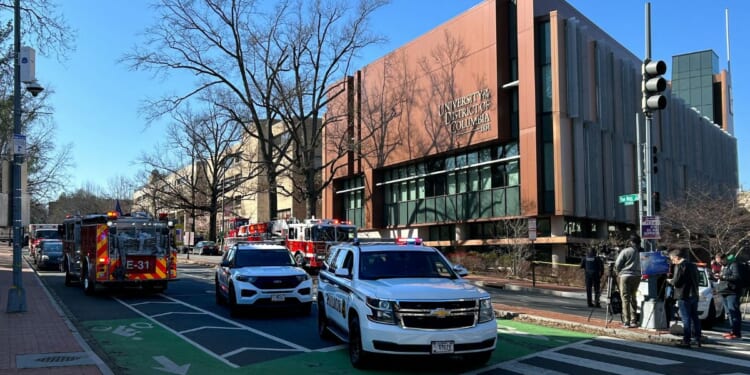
{"points": [[262, 63], [707, 221], [207, 156]]}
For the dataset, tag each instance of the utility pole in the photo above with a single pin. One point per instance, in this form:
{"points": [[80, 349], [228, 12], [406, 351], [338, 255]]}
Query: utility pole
{"points": [[652, 86], [16, 294]]}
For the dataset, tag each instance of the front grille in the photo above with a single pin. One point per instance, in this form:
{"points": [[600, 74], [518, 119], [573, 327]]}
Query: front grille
{"points": [[276, 282], [438, 314]]}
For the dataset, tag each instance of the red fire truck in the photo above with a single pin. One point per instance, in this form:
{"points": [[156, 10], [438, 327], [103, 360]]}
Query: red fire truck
{"points": [[309, 240], [133, 250]]}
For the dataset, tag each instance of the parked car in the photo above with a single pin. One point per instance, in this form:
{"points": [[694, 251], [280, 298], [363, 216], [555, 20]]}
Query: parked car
{"points": [[206, 248], [259, 275], [49, 254], [710, 303]]}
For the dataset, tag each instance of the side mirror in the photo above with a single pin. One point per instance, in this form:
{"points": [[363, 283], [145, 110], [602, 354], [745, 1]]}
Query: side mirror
{"points": [[460, 270], [342, 272]]}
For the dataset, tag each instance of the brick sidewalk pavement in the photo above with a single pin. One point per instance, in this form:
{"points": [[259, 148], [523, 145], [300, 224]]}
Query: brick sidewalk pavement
{"points": [[40, 340]]}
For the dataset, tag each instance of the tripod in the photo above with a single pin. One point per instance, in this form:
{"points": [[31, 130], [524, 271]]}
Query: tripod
{"points": [[614, 300]]}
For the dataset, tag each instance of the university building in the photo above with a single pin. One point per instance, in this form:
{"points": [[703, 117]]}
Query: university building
{"points": [[516, 110]]}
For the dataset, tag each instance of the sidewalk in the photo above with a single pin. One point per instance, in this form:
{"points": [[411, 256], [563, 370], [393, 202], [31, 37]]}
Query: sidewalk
{"points": [[592, 325], [40, 340]]}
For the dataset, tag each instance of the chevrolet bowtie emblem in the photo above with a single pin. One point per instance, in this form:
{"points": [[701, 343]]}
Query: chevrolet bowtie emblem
{"points": [[440, 313]]}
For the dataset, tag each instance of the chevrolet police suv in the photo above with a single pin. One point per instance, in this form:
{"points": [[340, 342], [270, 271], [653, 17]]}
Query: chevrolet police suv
{"points": [[259, 275], [395, 298]]}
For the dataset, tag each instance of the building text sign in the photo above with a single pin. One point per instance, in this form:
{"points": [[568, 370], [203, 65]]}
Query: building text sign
{"points": [[468, 113]]}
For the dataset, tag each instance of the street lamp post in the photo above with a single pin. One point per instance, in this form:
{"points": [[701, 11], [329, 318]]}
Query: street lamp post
{"points": [[16, 294]]}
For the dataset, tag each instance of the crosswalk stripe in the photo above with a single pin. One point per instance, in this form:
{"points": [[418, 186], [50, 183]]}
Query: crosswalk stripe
{"points": [[623, 354], [677, 351], [596, 365], [526, 369]]}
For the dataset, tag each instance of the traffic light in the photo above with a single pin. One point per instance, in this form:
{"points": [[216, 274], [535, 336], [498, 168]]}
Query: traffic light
{"points": [[654, 159], [653, 85], [656, 202]]}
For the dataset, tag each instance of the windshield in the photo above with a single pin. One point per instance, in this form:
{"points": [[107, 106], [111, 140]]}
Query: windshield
{"points": [[263, 258], [333, 233], [47, 234], [141, 240], [398, 264], [52, 248]]}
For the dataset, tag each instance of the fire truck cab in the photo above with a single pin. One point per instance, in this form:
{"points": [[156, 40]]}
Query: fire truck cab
{"points": [[109, 250], [308, 241]]}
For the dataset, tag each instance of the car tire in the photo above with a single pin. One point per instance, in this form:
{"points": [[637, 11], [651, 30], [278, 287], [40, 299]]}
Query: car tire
{"points": [[220, 300], [89, 284], [299, 258], [68, 276], [359, 358], [323, 330], [234, 309]]}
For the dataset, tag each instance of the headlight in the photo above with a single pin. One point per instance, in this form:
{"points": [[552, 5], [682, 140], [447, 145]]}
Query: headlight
{"points": [[382, 311], [486, 313], [301, 278], [245, 278]]}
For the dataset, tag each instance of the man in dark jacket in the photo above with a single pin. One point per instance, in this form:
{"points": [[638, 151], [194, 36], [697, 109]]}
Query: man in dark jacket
{"points": [[685, 282], [730, 288], [593, 268]]}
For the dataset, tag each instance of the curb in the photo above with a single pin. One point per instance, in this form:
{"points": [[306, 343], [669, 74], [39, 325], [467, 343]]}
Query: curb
{"points": [[525, 289]]}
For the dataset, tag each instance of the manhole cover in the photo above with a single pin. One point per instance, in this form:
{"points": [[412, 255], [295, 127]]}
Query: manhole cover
{"points": [[53, 360]]}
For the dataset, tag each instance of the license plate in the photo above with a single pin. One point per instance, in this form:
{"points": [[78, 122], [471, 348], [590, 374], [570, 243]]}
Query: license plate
{"points": [[442, 347], [277, 298]]}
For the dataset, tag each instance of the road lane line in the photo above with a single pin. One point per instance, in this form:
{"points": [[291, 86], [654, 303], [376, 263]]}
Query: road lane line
{"points": [[240, 350], [595, 365], [623, 354], [191, 330], [679, 351], [525, 369], [176, 312]]}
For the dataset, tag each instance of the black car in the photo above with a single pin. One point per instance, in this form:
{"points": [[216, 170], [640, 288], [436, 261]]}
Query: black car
{"points": [[206, 248], [49, 254]]}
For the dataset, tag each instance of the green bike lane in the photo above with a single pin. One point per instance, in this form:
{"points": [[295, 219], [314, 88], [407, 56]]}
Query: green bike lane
{"points": [[140, 346]]}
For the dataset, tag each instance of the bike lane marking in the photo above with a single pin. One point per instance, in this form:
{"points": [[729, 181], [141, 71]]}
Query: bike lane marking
{"points": [[144, 346]]}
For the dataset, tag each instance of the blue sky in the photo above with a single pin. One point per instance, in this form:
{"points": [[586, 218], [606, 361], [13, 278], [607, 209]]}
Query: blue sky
{"points": [[97, 100]]}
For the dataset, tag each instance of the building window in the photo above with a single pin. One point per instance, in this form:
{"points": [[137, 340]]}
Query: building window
{"points": [[352, 195], [469, 185]]}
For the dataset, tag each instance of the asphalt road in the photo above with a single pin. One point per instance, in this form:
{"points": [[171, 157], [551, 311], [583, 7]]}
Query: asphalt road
{"points": [[184, 331]]}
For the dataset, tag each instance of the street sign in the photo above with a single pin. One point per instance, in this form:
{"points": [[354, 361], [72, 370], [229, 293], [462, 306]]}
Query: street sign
{"points": [[532, 229], [628, 199], [19, 144], [650, 228]]}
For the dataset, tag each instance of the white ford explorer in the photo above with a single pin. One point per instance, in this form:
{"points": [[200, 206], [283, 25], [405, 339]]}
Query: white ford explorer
{"points": [[258, 275], [392, 298]]}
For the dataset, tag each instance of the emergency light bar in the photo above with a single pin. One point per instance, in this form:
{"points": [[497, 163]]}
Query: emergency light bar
{"points": [[408, 241]]}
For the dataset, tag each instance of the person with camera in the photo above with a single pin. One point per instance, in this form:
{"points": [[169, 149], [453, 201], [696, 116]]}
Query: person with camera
{"points": [[730, 287], [685, 282], [628, 268]]}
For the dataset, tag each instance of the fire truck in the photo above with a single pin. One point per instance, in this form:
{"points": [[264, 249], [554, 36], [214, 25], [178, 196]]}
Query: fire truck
{"points": [[310, 239], [134, 250]]}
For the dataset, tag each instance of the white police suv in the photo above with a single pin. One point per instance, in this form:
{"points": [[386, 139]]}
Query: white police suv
{"points": [[260, 275], [396, 298]]}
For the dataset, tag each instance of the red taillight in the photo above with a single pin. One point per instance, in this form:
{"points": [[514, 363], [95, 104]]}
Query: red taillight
{"points": [[103, 260]]}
